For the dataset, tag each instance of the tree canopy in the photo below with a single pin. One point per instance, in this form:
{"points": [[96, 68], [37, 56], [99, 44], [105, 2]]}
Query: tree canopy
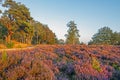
{"points": [[21, 27], [105, 36], [17, 24], [73, 34], [43, 35]]}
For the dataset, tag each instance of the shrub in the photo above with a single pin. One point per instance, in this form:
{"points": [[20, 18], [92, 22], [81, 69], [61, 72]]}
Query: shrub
{"points": [[4, 56], [41, 71], [68, 70], [9, 45], [96, 64], [2, 41], [116, 66]]}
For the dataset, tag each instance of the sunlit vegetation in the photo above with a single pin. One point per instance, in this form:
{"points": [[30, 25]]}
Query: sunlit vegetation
{"points": [[41, 56], [105, 36], [96, 64], [61, 62], [16, 24], [73, 34], [4, 56]]}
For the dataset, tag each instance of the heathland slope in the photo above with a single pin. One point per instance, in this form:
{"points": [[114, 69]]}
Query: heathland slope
{"points": [[61, 62]]}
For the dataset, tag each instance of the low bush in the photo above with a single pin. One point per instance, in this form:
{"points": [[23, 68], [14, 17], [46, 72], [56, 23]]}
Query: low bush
{"points": [[10, 45], [4, 56], [96, 64]]}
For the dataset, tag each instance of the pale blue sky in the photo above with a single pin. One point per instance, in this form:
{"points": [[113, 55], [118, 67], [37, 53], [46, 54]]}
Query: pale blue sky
{"points": [[89, 15]]}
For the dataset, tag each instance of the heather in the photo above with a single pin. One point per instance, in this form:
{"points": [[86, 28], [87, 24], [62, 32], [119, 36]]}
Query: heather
{"points": [[61, 62]]}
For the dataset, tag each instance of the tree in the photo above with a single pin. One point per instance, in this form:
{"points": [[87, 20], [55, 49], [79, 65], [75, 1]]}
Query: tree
{"points": [[3, 32], [17, 24], [9, 24], [39, 32], [50, 36], [61, 41], [17, 19], [104, 36], [42, 34], [73, 33], [28, 32], [115, 38]]}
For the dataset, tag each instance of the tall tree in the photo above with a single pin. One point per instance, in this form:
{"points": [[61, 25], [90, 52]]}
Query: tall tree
{"points": [[115, 38], [73, 33], [3, 32], [18, 25], [61, 41], [9, 24], [38, 32], [104, 36], [50, 36], [42, 34], [18, 14]]}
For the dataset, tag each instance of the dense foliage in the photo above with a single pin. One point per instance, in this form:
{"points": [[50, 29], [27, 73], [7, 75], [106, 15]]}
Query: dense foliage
{"points": [[106, 36], [73, 34], [53, 62], [65, 62], [17, 24], [42, 34]]}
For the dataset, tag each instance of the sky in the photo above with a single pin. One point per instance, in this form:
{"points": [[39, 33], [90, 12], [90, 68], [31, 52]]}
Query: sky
{"points": [[89, 15]]}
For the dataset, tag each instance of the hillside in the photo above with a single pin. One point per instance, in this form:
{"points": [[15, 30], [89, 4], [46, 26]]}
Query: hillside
{"points": [[61, 62]]}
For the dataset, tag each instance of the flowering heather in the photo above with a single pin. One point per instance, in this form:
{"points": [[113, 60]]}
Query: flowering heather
{"points": [[61, 62]]}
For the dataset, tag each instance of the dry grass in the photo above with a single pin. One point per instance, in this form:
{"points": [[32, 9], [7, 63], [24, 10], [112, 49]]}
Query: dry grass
{"points": [[16, 45], [2, 46]]}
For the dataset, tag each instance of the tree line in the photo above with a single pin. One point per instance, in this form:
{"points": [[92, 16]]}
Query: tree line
{"points": [[106, 36], [17, 24]]}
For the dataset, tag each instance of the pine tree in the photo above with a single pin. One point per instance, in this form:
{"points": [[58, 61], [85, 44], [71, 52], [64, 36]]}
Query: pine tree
{"points": [[17, 19]]}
